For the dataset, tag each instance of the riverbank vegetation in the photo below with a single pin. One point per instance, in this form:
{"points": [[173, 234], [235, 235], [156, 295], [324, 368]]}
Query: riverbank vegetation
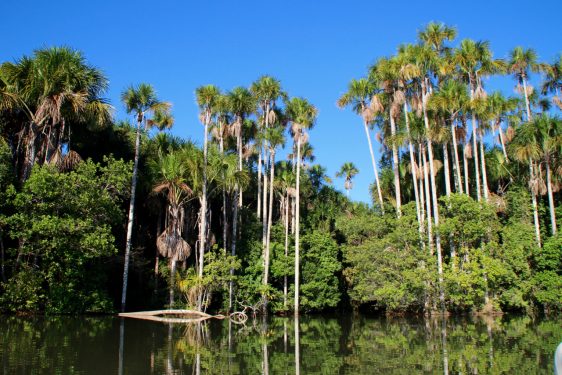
{"points": [[99, 214]]}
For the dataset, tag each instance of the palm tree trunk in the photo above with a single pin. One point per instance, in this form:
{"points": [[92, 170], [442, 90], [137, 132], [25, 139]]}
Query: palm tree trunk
{"points": [[421, 179], [502, 142], [446, 170], [172, 277], [483, 161], [265, 207], [233, 239], [269, 222], [534, 202], [435, 204], [553, 228], [374, 166], [428, 203], [395, 166], [475, 150], [297, 228], [287, 202], [130, 219], [465, 165], [259, 183], [527, 104], [239, 147], [203, 213], [414, 171], [456, 157]]}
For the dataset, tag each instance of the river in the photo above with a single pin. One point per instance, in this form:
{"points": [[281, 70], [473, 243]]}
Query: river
{"points": [[353, 344]]}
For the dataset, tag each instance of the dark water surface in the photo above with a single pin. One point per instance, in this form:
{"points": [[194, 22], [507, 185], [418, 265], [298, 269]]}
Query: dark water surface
{"points": [[313, 345]]}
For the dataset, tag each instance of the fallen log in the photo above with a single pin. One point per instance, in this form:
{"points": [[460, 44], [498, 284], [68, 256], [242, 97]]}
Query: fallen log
{"points": [[188, 316]]}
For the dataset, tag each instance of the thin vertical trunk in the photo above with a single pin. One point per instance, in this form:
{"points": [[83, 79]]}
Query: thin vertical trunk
{"points": [[414, 172], [475, 150], [465, 165], [269, 222], [297, 227], [374, 167], [287, 200], [239, 146], [121, 346], [553, 228], [435, 204], [172, 280], [131, 215], [483, 161], [428, 204], [502, 142], [233, 239], [297, 347], [395, 166], [259, 183], [456, 157], [527, 103], [534, 202], [446, 170], [203, 212], [265, 206], [421, 178]]}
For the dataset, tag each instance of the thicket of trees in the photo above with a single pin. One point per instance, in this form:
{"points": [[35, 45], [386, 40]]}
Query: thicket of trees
{"points": [[98, 214]]}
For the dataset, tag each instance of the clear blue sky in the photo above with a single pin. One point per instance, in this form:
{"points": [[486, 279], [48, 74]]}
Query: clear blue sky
{"points": [[313, 47]]}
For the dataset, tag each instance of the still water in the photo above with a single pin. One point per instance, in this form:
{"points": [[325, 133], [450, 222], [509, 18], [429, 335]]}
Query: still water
{"points": [[309, 345]]}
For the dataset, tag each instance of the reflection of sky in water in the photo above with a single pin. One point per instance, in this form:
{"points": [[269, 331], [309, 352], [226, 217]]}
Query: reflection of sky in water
{"points": [[352, 344]]}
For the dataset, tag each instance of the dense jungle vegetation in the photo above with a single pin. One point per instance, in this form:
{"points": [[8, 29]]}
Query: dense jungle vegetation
{"points": [[99, 214]]}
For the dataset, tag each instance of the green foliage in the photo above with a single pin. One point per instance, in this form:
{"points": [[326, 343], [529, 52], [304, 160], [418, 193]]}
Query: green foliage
{"points": [[63, 224]]}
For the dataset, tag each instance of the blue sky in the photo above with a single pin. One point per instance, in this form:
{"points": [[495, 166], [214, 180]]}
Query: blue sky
{"points": [[313, 47]]}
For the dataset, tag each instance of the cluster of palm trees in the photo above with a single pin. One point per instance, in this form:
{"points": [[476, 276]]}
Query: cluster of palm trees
{"points": [[429, 101], [242, 124]]}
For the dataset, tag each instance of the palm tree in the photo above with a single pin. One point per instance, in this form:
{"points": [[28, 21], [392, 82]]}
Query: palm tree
{"points": [[435, 35], [541, 141], [553, 80], [452, 99], [266, 91], [302, 116], [360, 96], [47, 94], [141, 101], [171, 181], [207, 99], [348, 170], [521, 62]]}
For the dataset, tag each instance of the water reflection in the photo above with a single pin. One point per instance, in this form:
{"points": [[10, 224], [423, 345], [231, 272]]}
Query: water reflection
{"points": [[299, 345]]}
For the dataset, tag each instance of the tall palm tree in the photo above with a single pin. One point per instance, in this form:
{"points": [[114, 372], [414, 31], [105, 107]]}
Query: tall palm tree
{"points": [[361, 97], [541, 141], [171, 181], [521, 63], [302, 116], [348, 170], [207, 100], [452, 99], [266, 90], [141, 101], [553, 80], [48, 94]]}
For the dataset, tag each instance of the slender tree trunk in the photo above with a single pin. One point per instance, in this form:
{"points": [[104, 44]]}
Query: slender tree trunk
{"points": [[446, 169], [534, 202], [131, 216], [203, 213], [456, 157], [414, 172], [269, 223], [553, 228], [475, 150], [239, 146], [527, 103], [483, 161], [259, 183], [421, 179], [395, 166], [297, 228], [465, 165], [287, 202], [172, 280], [428, 204], [502, 142], [265, 206], [297, 347], [374, 166], [233, 239], [435, 205]]}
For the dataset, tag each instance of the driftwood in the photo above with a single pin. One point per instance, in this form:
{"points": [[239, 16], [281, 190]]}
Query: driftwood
{"points": [[188, 316]]}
